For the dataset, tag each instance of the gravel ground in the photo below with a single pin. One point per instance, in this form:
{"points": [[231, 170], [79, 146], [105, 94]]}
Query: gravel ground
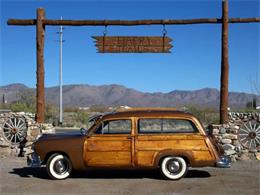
{"points": [[242, 178]]}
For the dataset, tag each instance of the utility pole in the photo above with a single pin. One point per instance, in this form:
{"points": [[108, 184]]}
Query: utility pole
{"points": [[60, 76]]}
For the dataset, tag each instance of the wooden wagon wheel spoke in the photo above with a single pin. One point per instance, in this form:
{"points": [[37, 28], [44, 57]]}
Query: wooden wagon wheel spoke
{"points": [[11, 122], [257, 140], [8, 125], [18, 123], [244, 130], [22, 125], [14, 130], [247, 127], [244, 138], [258, 129], [249, 135]]}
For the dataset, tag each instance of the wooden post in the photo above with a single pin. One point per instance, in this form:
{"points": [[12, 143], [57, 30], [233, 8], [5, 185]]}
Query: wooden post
{"points": [[40, 30], [224, 65]]}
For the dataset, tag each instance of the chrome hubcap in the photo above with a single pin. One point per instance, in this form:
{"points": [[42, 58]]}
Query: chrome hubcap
{"points": [[173, 166], [60, 166]]}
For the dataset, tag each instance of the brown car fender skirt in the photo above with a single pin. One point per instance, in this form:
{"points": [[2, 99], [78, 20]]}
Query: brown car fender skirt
{"points": [[187, 155]]}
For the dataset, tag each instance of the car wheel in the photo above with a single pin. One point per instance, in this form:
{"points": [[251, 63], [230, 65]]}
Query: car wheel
{"points": [[59, 166], [173, 168]]}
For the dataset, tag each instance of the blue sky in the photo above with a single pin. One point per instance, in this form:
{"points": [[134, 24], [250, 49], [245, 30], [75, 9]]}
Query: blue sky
{"points": [[193, 64]]}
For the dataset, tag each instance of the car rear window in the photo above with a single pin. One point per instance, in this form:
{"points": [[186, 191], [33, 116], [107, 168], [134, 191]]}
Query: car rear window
{"points": [[166, 126]]}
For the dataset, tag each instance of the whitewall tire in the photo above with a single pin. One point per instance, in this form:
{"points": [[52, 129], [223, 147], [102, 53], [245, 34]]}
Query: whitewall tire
{"points": [[59, 166], [173, 168]]}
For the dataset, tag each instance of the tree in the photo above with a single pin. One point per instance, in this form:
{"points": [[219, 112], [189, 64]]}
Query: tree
{"points": [[251, 104]]}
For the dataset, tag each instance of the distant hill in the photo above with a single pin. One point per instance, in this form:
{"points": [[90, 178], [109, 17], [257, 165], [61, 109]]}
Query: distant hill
{"points": [[115, 95]]}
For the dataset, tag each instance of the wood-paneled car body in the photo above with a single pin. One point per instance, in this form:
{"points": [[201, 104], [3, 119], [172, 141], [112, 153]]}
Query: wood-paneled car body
{"points": [[140, 138]]}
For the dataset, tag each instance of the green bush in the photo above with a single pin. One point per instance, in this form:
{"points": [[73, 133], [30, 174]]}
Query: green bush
{"points": [[81, 117]]}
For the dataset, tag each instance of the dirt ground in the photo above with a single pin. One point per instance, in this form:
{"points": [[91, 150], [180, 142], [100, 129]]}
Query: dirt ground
{"points": [[242, 178]]}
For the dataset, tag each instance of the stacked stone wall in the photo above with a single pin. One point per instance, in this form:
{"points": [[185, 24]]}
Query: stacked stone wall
{"points": [[32, 130], [229, 138]]}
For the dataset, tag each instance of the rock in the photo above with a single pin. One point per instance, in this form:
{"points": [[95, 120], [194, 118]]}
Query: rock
{"points": [[238, 149], [222, 130], [244, 151], [215, 131], [229, 136], [226, 125], [233, 158], [257, 156], [20, 113], [226, 141], [228, 147], [229, 152], [35, 132], [258, 148], [236, 143], [236, 127], [233, 131]]}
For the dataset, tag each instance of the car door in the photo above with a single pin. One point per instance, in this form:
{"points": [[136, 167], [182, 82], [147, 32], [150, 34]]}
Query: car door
{"points": [[110, 144], [168, 134]]}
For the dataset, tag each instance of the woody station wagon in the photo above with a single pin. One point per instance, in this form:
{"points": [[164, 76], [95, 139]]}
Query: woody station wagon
{"points": [[135, 138]]}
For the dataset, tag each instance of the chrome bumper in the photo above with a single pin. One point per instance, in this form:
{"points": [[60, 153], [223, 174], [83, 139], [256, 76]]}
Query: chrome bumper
{"points": [[33, 160], [224, 162]]}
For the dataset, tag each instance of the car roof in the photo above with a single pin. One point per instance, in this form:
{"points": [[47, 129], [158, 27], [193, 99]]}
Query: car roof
{"points": [[147, 112]]}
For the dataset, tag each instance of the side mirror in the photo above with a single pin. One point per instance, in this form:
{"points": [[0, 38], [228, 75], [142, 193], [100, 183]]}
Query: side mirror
{"points": [[83, 131]]}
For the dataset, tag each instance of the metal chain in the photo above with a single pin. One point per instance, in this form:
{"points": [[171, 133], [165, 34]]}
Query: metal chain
{"points": [[105, 31], [164, 31]]}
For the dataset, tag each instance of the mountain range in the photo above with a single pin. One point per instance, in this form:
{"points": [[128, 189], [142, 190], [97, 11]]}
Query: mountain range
{"points": [[116, 95]]}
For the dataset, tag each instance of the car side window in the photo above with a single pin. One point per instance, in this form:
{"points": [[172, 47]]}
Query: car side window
{"points": [[166, 126], [150, 125], [178, 126], [114, 127]]}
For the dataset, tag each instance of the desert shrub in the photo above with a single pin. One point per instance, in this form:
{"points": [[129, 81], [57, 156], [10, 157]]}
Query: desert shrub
{"points": [[206, 115], [26, 103], [81, 118], [51, 113]]}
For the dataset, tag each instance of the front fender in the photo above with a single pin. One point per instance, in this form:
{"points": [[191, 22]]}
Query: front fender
{"points": [[72, 147]]}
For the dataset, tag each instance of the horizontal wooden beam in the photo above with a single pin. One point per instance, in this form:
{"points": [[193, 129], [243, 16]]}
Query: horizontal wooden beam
{"points": [[21, 22], [129, 22]]}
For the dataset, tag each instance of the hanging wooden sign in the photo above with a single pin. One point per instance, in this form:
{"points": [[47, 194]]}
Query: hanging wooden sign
{"points": [[133, 44]]}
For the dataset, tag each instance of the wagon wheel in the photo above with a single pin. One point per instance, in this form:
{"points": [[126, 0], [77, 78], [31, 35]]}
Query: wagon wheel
{"points": [[14, 130], [249, 135]]}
